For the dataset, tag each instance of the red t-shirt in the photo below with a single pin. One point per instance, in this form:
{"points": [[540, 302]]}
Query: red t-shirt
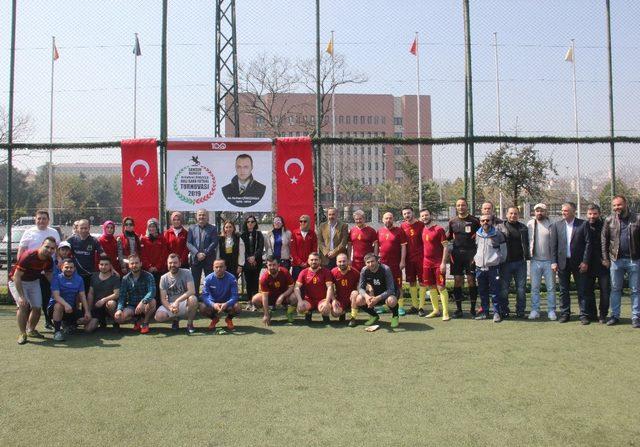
{"points": [[362, 240], [314, 284], [275, 285], [432, 238], [32, 266], [390, 241], [413, 232], [345, 283]]}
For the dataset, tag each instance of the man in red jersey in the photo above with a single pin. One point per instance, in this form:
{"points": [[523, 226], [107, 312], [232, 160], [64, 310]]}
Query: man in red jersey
{"points": [[303, 242], [24, 285], [392, 249], [276, 289], [345, 279], [434, 240], [362, 239], [314, 289], [412, 228]]}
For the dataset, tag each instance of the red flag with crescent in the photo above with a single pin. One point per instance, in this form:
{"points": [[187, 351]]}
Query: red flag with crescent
{"points": [[294, 179], [140, 197]]}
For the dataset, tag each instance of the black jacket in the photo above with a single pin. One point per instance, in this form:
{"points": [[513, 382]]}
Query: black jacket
{"points": [[580, 243], [249, 197], [524, 237]]}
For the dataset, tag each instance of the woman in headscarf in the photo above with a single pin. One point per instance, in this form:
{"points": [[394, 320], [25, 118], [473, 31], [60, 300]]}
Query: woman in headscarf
{"points": [[154, 252], [110, 245], [128, 243], [253, 250]]}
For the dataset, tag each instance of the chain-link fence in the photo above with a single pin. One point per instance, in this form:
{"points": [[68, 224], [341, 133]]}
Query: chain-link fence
{"points": [[91, 85]]}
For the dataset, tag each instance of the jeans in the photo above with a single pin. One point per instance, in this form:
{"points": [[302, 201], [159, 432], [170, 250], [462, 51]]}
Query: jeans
{"points": [[196, 272], [518, 271], [538, 270], [618, 269], [489, 286], [603, 276], [564, 278]]}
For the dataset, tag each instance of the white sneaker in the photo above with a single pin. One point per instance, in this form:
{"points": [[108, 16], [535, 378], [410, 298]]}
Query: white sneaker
{"points": [[552, 315], [534, 315]]}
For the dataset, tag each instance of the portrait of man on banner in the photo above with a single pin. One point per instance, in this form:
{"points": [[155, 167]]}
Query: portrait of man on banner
{"points": [[243, 190]]}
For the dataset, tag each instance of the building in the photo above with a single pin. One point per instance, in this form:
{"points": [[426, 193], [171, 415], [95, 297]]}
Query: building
{"points": [[356, 115]]}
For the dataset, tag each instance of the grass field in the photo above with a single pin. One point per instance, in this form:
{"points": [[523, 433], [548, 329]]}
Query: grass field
{"points": [[430, 382]]}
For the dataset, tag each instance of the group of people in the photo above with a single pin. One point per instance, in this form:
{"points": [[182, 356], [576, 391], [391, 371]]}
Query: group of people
{"points": [[335, 271]]}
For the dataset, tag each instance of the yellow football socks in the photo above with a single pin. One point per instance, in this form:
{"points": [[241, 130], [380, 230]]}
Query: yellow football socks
{"points": [[413, 291], [444, 298], [422, 294]]}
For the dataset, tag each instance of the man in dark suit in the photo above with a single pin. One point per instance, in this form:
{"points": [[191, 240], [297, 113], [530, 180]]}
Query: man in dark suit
{"points": [[202, 242], [243, 191], [570, 250]]}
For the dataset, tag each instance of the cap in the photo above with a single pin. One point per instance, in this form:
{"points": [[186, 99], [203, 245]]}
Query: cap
{"points": [[541, 206], [64, 244]]}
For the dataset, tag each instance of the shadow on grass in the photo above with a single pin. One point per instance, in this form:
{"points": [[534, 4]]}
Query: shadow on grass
{"points": [[80, 340]]}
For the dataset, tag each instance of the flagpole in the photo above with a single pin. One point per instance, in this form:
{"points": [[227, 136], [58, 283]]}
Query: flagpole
{"points": [[575, 118], [498, 109], [135, 87], [50, 173], [333, 124], [418, 113]]}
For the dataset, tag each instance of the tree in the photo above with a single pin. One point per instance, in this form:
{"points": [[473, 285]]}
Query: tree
{"points": [[266, 83], [334, 72], [430, 189], [604, 198], [20, 190], [518, 171], [22, 130]]}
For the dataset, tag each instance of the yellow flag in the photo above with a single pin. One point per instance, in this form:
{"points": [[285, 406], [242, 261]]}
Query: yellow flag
{"points": [[330, 47], [569, 56]]}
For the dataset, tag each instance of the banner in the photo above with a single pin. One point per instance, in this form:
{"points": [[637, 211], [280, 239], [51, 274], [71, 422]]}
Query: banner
{"points": [[221, 174], [294, 179], [140, 181]]}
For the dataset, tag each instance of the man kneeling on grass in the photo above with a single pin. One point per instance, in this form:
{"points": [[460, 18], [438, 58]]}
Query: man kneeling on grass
{"points": [[314, 289], [103, 292], [276, 289], [177, 295], [137, 297], [219, 294], [377, 287], [67, 291]]}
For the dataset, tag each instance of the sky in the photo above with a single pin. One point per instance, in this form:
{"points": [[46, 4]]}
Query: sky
{"points": [[93, 91]]}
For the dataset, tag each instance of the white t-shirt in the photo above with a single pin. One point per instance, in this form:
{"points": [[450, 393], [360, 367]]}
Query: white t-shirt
{"points": [[33, 238]]}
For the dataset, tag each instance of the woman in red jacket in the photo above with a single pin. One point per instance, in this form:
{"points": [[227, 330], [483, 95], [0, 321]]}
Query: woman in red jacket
{"points": [[110, 245], [154, 252], [176, 237], [128, 243]]}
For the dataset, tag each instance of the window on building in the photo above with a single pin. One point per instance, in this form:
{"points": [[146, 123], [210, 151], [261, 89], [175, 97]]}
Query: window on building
{"points": [[369, 134], [348, 119], [369, 152], [397, 121], [369, 166], [291, 119], [369, 119], [376, 119], [397, 134], [362, 118], [376, 165], [340, 119], [355, 119], [259, 121], [261, 134], [383, 120]]}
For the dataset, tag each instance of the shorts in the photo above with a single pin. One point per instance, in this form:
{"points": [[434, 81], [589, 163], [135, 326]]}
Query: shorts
{"points": [[431, 276], [413, 271], [70, 319], [32, 292], [314, 303], [182, 310], [99, 312], [397, 278], [344, 303], [462, 263]]}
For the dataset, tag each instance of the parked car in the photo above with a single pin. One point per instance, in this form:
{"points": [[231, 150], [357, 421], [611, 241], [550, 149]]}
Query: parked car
{"points": [[16, 235]]}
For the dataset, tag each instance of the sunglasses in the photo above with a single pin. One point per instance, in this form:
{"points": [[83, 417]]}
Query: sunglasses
{"points": [[485, 220], [128, 224], [302, 221], [251, 221]]}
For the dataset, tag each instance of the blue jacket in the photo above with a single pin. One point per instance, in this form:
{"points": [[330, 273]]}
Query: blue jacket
{"points": [[220, 290], [207, 244]]}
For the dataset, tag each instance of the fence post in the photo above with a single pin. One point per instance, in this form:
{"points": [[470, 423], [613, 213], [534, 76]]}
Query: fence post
{"points": [[12, 72], [611, 126]]}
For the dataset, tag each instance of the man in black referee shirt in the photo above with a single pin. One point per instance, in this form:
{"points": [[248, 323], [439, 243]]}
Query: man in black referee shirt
{"points": [[461, 231], [377, 287]]}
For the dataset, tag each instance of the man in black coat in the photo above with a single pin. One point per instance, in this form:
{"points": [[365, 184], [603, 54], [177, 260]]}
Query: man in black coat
{"points": [[243, 191], [571, 252], [597, 271]]}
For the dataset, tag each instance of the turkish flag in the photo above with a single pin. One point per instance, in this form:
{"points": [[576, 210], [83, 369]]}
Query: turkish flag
{"points": [[140, 198], [294, 179]]}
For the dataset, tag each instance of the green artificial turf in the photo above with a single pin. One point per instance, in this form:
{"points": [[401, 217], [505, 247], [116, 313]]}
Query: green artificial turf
{"points": [[430, 382]]}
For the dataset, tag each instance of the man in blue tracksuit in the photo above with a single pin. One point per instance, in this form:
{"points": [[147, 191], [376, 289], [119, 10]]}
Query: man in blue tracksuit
{"points": [[219, 294], [490, 253]]}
